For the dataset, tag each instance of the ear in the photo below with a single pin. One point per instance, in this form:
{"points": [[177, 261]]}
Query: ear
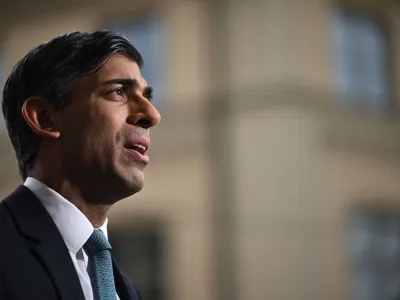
{"points": [[40, 115]]}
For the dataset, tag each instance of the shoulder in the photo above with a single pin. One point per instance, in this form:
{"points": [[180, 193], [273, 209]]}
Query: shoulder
{"points": [[8, 228], [5, 219], [8, 235], [12, 208], [2, 208]]}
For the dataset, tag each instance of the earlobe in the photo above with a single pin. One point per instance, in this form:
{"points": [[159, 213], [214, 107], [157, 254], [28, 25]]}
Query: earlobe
{"points": [[39, 114]]}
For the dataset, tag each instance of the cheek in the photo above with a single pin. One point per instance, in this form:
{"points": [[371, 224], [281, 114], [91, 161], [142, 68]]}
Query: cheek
{"points": [[92, 133], [103, 131]]}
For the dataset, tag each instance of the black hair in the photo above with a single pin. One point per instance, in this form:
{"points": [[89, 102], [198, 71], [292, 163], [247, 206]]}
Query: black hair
{"points": [[50, 71]]}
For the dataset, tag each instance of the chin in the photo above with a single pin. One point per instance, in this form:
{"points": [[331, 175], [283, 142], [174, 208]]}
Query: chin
{"points": [[134, 183], [128, 181], [127, 189]]}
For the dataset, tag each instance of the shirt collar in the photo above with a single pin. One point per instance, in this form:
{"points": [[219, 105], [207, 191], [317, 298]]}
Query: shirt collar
{"points": [[73, 225], [103, 228]]}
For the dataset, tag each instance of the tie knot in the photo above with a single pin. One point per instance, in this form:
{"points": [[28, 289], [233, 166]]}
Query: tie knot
{"points": [[97, 242]]}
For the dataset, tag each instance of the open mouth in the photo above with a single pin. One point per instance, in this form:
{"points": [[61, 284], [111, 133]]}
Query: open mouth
{"points": [[138, 148]]}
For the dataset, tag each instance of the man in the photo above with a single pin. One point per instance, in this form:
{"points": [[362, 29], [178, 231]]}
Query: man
{"points": [[78, 113]]}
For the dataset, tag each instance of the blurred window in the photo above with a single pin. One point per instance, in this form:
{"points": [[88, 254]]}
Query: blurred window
{"points": [[361, 59], [139, 252], [146, 34], [374, 240]]}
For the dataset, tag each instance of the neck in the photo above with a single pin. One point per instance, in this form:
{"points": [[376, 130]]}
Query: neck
{"points": [[95, 212]]}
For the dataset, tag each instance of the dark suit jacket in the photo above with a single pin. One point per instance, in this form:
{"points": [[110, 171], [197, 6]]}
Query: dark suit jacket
{"points": [[34, 260]]}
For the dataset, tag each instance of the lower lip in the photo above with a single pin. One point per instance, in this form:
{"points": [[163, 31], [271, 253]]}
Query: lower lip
{"points": [[143, 158]]}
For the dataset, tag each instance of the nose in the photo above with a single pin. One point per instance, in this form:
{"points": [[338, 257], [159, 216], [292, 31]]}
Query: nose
{"points": [[144, 115]]}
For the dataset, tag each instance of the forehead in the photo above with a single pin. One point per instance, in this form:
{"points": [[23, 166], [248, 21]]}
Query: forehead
{"points": [[119, 66]]}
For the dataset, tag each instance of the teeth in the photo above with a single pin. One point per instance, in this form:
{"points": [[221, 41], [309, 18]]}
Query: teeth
{"points": [[141, 147]]}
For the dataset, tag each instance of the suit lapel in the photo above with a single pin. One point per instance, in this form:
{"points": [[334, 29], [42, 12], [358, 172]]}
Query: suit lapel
{"points": [[35, 223], [125, 289]]}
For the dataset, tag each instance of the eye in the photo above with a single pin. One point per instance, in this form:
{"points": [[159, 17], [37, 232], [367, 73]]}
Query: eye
{"points": [[119, 91]]}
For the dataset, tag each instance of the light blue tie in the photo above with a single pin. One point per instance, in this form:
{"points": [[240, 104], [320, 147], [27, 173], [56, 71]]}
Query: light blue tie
{"points": [[100, 264]]}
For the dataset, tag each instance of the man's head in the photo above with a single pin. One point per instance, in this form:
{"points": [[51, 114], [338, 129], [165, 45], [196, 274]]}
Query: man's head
{"points": [[79, 102]]}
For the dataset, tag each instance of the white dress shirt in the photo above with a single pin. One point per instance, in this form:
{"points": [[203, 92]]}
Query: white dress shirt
{"points": [[74, 228]]}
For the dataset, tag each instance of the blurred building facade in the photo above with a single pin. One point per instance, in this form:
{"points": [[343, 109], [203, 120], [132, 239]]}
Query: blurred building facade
{"points": [[280, 123]]}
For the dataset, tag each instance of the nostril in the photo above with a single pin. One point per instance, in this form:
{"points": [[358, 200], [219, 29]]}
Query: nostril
{"points": [[144, 123]]}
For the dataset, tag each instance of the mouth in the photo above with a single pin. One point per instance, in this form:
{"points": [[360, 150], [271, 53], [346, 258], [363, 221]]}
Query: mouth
{"points": [[138, 149]]}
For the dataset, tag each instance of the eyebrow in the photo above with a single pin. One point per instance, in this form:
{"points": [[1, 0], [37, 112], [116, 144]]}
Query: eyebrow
{"points": [[148, 90], [122, 81]]}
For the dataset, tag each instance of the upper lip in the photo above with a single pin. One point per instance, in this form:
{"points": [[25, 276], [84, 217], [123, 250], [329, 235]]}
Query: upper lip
{"points": [[139, 141]]}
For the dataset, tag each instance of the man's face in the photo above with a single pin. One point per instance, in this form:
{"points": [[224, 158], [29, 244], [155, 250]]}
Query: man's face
{"points": [[105, 130]]}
